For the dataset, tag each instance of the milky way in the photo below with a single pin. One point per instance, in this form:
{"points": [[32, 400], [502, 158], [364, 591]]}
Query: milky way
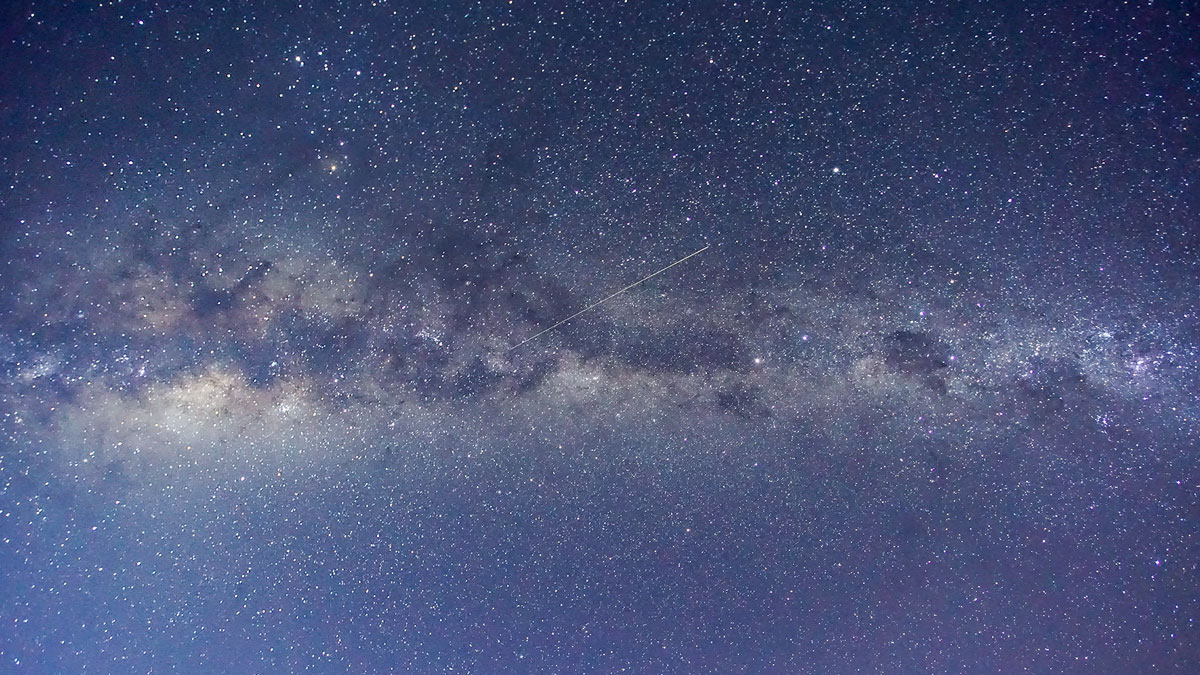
{"points": [[929, 401]]}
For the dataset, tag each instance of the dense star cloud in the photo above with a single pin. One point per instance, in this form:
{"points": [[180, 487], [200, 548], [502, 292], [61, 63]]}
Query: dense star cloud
{"points": [[929, 400]]}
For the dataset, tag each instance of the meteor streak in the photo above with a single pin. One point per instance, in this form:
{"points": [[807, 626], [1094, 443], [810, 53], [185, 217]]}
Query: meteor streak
{"points": [[607, 298]]}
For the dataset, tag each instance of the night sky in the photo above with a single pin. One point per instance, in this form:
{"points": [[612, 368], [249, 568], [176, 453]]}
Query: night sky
{"points": [[929, 402]]}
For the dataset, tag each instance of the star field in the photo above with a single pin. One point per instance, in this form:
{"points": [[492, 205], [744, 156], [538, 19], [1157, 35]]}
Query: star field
{"points": [[928, 402]]}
